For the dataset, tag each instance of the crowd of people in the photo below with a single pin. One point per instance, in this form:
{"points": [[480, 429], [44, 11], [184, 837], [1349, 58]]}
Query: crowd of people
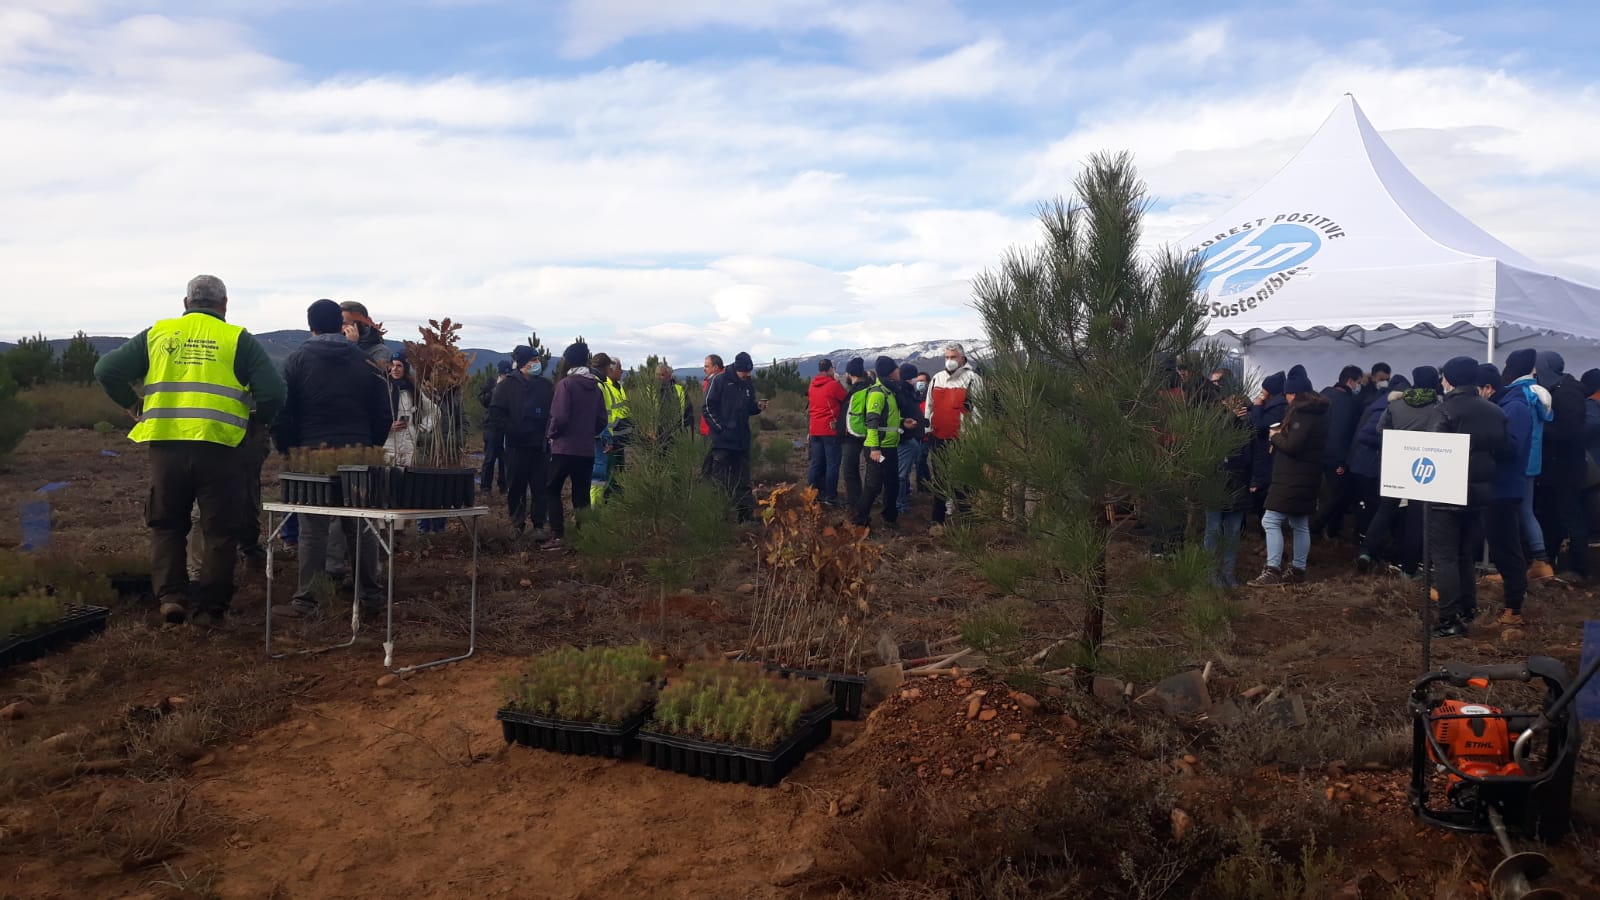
{"points": [[1312, 462]]}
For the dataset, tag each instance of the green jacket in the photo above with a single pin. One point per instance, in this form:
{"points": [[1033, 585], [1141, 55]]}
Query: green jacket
{"points": [[882, 418], [118, 370]]}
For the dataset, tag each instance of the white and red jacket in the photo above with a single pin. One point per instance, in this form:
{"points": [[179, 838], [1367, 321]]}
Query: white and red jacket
{"points": [[950, 396]]}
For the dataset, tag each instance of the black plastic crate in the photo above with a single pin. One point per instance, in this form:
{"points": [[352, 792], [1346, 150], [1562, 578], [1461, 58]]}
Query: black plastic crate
{"points": [[311, 490], [738, 765], [566, 736], [78, 623], [440, 488], [846, 690]]}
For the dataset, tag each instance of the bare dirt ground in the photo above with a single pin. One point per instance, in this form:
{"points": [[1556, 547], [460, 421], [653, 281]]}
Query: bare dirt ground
{"points": [[159, 762]]}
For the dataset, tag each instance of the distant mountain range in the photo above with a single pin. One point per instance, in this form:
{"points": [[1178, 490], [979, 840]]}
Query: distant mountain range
{"points": [[927, 355]]}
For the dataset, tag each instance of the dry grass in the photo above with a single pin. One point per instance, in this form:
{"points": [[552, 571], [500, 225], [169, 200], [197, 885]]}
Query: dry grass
{"points": [[74, 406], [132, 824]]}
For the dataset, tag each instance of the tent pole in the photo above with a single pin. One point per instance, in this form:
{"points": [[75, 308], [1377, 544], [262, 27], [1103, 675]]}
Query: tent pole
{"points": [[1494, 335]]}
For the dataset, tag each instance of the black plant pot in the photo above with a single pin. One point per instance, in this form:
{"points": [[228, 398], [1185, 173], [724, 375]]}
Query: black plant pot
{"points": [[78, 623], [371, 487], [567, 736], [738, 765], [846, 690], [311, 490]]}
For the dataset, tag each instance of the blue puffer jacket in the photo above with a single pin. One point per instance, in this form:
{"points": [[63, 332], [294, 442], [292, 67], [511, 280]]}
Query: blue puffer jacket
{"points": [[1510, 470], [1541, 414]]}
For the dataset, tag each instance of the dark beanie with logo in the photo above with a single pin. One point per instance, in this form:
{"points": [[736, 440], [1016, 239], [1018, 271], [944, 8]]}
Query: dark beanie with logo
{"points": [[885, 367], [1273, 384], [522, 354], [856, 367], [576, 356], [1425, 378], [742, 362], [1519, 364], [1297, 382], [1461, 371], [1489, 376]]}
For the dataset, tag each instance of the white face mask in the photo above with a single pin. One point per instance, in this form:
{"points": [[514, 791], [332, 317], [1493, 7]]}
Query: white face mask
{"points": [[950, 365], [1383, 385]]}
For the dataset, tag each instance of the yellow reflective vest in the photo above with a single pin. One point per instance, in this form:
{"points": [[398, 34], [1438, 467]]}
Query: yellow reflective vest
{"points": [[191, 392], [616, 401]]}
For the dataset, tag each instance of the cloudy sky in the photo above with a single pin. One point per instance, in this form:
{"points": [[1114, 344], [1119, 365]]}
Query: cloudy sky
{"points": [[784, 176]]}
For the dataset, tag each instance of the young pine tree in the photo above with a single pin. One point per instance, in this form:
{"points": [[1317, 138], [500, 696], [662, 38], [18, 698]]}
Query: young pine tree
{"points": [[78, 360], [1080, 415], [33, 362]]}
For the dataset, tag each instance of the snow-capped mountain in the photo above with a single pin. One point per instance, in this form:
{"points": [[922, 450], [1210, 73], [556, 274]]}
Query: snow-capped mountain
{"points": [[926, 355]]}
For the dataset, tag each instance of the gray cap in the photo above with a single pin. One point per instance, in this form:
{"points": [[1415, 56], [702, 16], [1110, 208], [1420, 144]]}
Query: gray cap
{"points": [[205, 290]]}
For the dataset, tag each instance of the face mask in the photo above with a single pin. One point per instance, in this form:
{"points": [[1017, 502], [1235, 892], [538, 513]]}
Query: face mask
{"points": [[534, 368], [950, 365], [1383, 385], [922, 387]]}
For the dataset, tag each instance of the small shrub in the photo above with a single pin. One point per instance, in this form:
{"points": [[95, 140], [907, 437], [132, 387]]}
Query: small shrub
{"points": [[71, 406], [1254, 871], [104, 427], [608, 685], [23, 613], [735, 703], [995, 629]]}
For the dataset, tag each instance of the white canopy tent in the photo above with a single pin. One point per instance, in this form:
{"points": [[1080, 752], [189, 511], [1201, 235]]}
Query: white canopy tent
{"points": [[1345, 257]]}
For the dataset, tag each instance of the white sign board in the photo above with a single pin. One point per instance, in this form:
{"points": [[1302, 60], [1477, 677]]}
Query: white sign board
{"points": [[1425, 466]]}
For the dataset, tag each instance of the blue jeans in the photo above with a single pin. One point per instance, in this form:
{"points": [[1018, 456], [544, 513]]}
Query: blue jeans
{"points": [[823, 473], [1532, 533], [1222, 540], [910, 453], [1273, 522]]}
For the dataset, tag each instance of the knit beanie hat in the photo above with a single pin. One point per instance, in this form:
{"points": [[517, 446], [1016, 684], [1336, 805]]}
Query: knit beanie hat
{"points": [[856, 367], [576, 355], [1489, 376], [1591, 381], [522, 354], [1519, 364], [1273, 384], [1461, 371], [742, 362], [1399, 383], [885, 367], [324, 317], [1425, 378], [908, 372], [503, 367], [1297, 382]]}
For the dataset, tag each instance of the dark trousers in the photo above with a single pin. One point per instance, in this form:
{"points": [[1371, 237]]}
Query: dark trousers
{"points": [[1366, 492], [730, 471], [924, 471], [823, 473], [567, 469], [882, 478], [494, 457], [182, 474], [256, 448], [1455, 538], [1339, 494], [1558, 504], [313, 557], [527, 473], [940, 500], [1503, 526], [1404, 525], [850, 468]]}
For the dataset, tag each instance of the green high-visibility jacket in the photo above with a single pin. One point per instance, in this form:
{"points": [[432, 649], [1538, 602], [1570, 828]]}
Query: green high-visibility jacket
{"points": [[882, 418]]}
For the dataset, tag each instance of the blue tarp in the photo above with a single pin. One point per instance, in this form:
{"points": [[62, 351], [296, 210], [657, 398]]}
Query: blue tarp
{"points": [[36, 525]]}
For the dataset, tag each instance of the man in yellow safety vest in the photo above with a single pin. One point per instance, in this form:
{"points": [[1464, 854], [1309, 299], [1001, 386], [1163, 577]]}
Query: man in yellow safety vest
{"points": [[200, 376]]}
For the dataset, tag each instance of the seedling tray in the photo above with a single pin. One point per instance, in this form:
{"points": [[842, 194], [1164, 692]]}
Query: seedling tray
{"points": [[846, 690], [567, 736], [310, 490], [738, 765], [78, 623], [372, 487], [438, 488]]}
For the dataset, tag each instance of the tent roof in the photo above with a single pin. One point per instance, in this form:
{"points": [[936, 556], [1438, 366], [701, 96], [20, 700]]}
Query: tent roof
{"points": [[1344, 240]]}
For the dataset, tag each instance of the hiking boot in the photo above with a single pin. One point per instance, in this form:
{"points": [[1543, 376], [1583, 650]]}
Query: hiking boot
{"points": [[1433, 594], [539, 535], [1271, 576], [1511, 617], [1540, 571], [1450, 629], [208, 619], [174, 613], [255, 558], [555, 543], [1364, 564], [1575, 578], [1294, 576]]}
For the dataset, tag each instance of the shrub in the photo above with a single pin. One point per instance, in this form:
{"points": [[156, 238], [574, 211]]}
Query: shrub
{"points": [[33, 361], [608, 685], [78, 360], [735, 703], [72, 406], [22, 613], [104, 427], [16, 416], [771, 459]]}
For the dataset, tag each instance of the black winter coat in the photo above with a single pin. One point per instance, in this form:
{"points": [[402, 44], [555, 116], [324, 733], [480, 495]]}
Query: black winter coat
{"points": [[519, 411], [336, 397], [1564, 462], [1297, 449], [728, 409], [1467, 413], [1344, 417], [1236, 468]]}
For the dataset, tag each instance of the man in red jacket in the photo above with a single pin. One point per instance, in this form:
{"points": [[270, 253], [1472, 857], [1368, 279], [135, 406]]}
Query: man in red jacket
{"points": [[824, 404]]}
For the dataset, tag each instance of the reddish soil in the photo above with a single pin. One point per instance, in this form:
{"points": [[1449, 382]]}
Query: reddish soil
{"points": [[304, 778]]}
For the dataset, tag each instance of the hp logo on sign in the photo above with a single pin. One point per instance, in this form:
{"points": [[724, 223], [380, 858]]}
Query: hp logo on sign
{"points": [[1423, 470]]}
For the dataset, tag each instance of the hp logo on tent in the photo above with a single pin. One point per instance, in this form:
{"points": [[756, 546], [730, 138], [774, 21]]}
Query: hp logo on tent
{"points": [[1423, 470], [1244, 260]]}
